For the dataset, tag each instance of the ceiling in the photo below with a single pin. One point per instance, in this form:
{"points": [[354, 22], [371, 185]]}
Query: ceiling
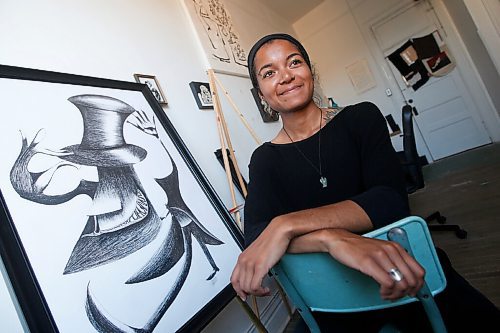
{"points": [[292, 10]]}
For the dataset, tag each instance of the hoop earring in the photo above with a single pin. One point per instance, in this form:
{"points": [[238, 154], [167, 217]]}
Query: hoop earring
{"points": [[266, 107]]}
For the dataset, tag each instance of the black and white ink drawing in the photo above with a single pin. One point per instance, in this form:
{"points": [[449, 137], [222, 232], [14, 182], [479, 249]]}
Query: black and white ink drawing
{"points": [[218, 35], [123, 218]]}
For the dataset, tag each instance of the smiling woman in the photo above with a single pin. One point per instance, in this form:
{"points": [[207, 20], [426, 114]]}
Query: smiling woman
{"points": [[277, 64], [329, 175]]}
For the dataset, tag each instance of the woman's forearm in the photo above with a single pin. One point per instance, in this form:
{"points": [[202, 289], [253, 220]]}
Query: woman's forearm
{"points": [[316, 241], [342, 215]]}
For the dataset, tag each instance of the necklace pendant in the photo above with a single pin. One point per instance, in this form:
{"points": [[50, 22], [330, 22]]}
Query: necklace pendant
{"points": [[323, 182]]}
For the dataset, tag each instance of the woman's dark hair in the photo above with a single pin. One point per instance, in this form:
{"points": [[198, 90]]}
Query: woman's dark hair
{"points": [[265, 40]]}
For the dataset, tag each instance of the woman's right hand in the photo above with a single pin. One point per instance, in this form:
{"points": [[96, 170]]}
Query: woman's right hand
{"points": [[257, 259]]}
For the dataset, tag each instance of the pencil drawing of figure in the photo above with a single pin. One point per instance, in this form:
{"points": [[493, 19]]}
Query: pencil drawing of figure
{"points": [[121, 219], [225, 45]]}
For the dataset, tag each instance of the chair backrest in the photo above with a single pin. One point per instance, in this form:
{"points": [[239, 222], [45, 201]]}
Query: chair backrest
{"points": [[317, 282], [412, 160]]}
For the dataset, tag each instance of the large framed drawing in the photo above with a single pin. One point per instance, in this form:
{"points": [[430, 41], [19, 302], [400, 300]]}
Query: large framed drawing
{"points": [[218, 37], [108, 224]]}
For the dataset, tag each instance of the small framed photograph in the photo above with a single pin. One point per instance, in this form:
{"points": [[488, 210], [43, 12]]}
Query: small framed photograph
{"points": [[268, 115], [153, 85], [202, 94]]}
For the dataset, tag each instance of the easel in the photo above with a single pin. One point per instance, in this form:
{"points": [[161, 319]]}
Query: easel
{"points": [[226, 145]]}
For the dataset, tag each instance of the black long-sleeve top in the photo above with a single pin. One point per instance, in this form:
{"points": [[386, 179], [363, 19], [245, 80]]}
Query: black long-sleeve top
{"points": [[357, 158]]}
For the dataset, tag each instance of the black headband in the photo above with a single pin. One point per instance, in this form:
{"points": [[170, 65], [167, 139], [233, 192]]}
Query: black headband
{"points": [[264, 40]]}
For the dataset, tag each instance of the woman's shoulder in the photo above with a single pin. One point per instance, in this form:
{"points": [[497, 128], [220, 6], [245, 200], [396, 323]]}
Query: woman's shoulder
{"points": [[363, 107], [262, 153], [360, 111], [261, 161]]}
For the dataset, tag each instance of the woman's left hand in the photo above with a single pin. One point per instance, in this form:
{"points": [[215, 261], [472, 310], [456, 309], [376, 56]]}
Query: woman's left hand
{"points": [[376, 258]]}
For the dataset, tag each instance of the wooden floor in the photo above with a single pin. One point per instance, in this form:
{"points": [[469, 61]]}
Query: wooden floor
{"points": [[466, 189], [468, 196]]}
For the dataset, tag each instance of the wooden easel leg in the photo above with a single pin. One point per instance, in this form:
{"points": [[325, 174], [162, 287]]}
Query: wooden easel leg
{"points": [[224, 137], [255, 320], [235, 108], [256, 306]]}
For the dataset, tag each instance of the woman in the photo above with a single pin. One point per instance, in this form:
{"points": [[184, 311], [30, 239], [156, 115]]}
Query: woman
{"points": [[328, 176]]}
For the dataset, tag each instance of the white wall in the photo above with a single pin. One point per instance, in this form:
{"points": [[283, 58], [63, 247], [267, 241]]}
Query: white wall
{"points": [[466, 54], [115, 39], [482, 40], [486, 16]]}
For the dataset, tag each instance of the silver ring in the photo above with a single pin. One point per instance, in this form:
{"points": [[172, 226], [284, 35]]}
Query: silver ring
{"points": [[395, 274]]}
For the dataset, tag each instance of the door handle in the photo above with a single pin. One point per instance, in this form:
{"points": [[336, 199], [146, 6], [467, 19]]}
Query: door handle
{"points": [[413, 109]]}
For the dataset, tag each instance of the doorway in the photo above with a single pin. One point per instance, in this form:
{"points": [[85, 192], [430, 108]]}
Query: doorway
{"points": [[445, 113]]}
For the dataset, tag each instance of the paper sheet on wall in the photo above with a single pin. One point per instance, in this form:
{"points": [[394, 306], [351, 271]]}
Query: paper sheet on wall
{"points": [[360, 75], [217, 35]]}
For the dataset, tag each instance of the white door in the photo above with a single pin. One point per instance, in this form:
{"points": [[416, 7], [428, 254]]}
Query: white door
{"points": [[446, 115]]}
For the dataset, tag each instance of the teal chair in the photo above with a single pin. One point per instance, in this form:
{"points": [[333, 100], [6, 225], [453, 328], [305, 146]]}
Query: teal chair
{"points": [[317, 282]]}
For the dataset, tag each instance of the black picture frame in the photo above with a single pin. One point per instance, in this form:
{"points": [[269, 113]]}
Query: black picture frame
{"points": [[267, 116], [145, 131], [202, 94]]}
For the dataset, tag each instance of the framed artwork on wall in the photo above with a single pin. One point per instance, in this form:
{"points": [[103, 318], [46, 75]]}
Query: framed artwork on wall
{"points": [[202, 94], [104, 208], [153, 85], [217, 35]]}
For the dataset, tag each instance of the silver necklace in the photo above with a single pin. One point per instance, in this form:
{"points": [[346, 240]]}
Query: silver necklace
{"points": [[322, 179]]}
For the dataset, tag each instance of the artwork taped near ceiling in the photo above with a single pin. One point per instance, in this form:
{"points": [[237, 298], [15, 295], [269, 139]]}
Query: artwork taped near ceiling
{"points": [[104, 208], [218, 36]]}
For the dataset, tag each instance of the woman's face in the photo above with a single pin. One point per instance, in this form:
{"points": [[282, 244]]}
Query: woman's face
{"points": [[285, 80]]}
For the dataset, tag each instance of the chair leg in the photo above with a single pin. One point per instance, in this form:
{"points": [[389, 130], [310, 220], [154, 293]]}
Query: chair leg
{"points": [[436, 216], [459, 232], [296, 298], [431, 309], [309, 320], [424, 294]]}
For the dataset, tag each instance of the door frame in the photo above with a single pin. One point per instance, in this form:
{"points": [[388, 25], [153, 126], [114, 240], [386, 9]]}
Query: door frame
{"points": [[477, 88]]}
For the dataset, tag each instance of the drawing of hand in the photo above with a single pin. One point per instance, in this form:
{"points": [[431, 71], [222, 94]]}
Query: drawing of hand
{"points": [[143, 123], [30, 185]]}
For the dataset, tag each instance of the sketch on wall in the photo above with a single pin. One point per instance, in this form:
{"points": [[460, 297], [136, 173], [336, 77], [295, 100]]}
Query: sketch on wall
{"points": [[107, 214], [217, 35]]}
